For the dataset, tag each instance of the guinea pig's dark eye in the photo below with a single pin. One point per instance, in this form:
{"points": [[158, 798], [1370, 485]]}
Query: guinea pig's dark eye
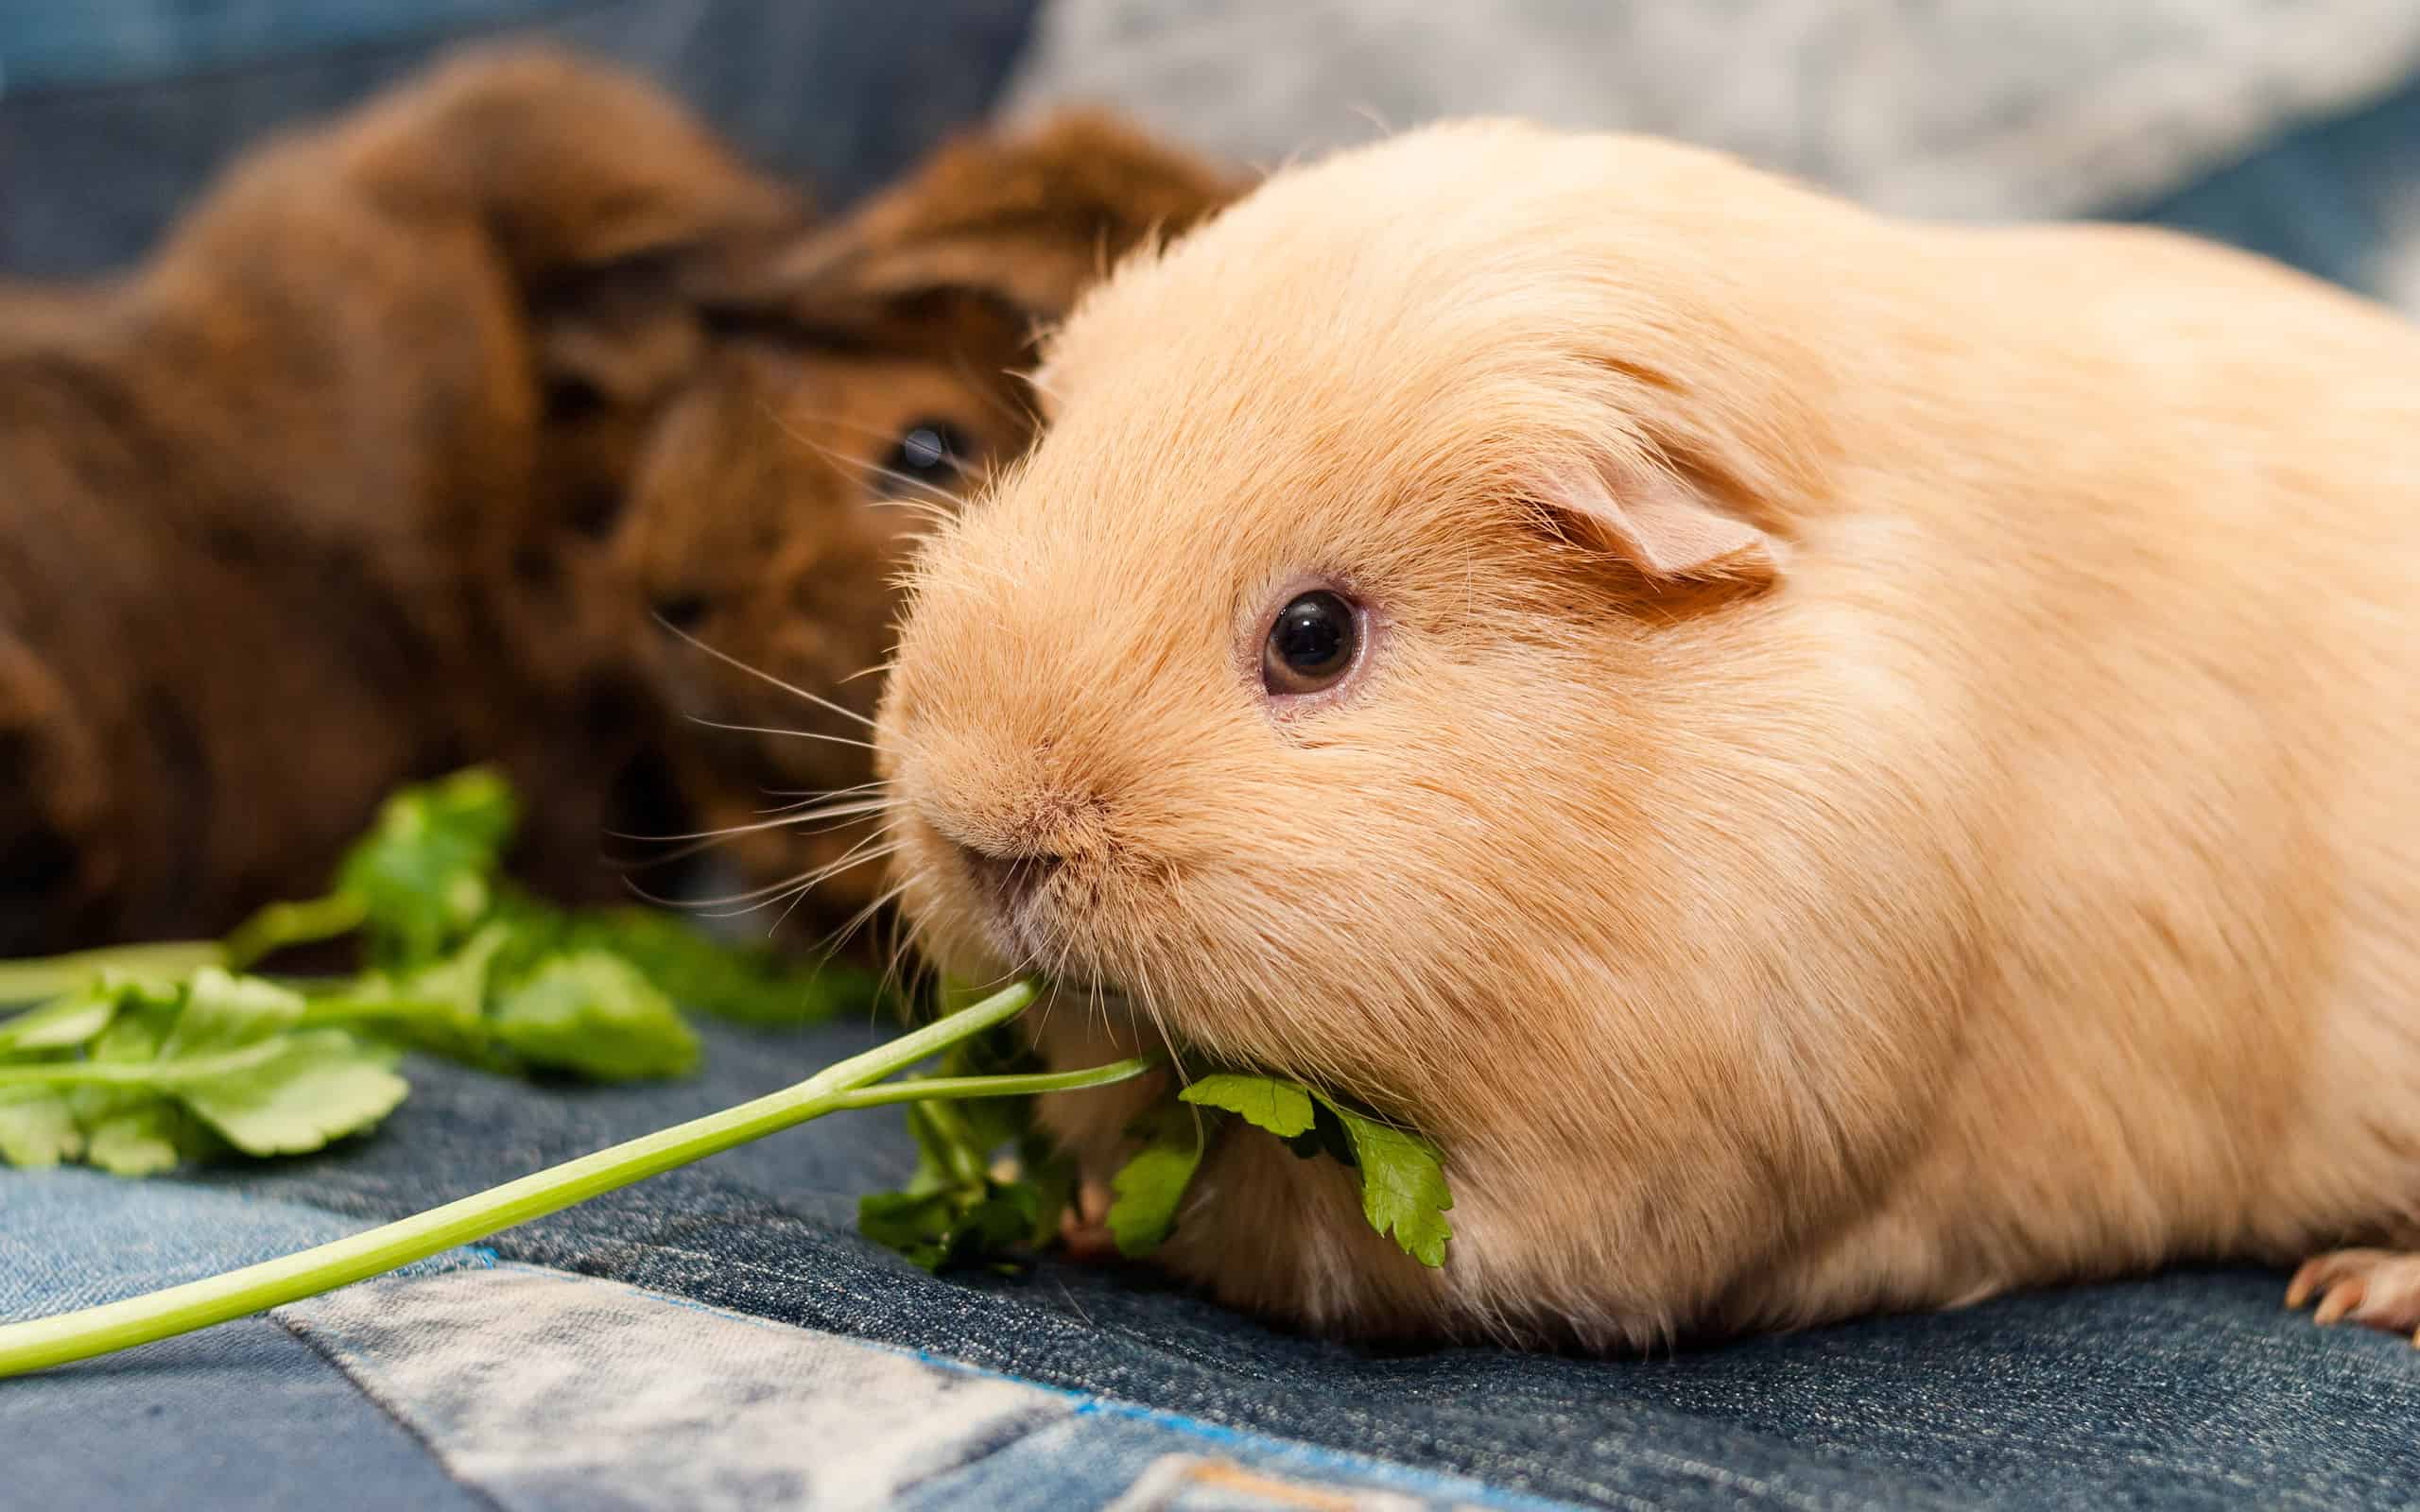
{"points": [[1311, 643], [929, 450]]}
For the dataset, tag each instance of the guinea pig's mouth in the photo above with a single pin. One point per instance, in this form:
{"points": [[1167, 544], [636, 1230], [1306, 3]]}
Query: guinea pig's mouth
{"points": [[1093, 995], [1130, 1018]]}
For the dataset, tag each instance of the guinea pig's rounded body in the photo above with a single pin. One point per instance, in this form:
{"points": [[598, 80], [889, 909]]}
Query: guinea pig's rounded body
{"points": [[1872, 764]]}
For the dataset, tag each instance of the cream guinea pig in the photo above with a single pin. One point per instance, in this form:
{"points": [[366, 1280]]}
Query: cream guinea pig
{"points": [[1830, 763]]}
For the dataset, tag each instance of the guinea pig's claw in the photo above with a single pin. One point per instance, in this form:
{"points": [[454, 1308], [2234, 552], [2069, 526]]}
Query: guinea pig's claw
{"points": [[2379, 1287], [1083, 1228]]}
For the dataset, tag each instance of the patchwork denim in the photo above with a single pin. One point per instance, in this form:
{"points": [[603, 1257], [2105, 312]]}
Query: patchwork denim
{"points": [[2195, 1389]]}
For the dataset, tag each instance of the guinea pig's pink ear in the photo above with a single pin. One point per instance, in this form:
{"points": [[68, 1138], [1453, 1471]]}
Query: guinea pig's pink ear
{"points": [[1661, 521]]}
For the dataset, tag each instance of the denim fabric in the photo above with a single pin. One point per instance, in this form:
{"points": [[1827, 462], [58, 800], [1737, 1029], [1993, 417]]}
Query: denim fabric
{"points": [[97, 155], [243, 1416], [2196, 1389], [546, 1391], [78, 1238]]}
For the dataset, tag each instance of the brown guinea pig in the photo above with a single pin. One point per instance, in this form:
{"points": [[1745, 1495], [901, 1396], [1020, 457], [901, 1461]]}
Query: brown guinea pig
{"points": [[853, 391], [307, 505], [1830, 763]]}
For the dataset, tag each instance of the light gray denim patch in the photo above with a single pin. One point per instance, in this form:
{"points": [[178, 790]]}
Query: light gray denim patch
{"points": [[546, 1391]]}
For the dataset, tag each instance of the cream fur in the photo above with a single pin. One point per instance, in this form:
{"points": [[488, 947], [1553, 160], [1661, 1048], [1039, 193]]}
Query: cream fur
{"points": [[2017, 882]]}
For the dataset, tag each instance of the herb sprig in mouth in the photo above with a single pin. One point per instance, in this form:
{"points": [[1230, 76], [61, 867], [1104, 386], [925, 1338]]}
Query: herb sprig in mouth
{"points": [[988, 1188]]}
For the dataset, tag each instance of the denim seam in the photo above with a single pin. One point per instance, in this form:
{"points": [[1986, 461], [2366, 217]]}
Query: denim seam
{"points": [[1711, 1476], [319, 1342], [1083, 1404]]}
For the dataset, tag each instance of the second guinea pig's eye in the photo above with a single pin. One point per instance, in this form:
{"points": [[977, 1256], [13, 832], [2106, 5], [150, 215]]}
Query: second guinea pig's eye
{"points": [[1311, 643], [930, 452]]}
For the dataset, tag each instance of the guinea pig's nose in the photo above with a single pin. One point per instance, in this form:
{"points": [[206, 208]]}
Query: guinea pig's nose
{"points": [[1006, 879]]}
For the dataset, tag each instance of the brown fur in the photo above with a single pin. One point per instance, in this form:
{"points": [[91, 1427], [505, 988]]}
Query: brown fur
{"points": [[306, 506], [1883, 774], [762, 519]]}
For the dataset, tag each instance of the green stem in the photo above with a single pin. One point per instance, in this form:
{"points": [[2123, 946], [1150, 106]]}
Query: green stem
{"points": [[92, 1331], [139, 1072], [280, 925], [955, 1139], [939, 1087], [32, 980]]}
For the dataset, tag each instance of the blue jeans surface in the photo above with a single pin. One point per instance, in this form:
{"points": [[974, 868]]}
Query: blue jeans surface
{"points": [[2192, 1389]]}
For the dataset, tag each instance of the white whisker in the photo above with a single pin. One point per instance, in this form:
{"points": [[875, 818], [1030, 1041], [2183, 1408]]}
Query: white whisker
{"points": [[808, 797], [782, 819], [729, 660], [777, 729], [843, 461], [857, 921], [756, 898]]}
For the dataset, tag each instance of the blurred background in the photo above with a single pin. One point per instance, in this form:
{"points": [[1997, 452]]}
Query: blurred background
{"points": [[704, 449], [2292, 127]]}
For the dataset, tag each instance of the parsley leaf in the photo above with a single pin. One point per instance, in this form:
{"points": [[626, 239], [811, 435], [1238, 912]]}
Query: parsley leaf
{"points": [[424, 874], [37, 1126], [1402, 1176], [988, 1188], [235, 1058], [145, 1140], [158, 1052], [129, 1123], [1150, 1187], [598, 1015], [743, 984], [60, 1025], [1403, 1183], [309, 1088], [958, 1209], [226, 1052], [1279, 1107]]}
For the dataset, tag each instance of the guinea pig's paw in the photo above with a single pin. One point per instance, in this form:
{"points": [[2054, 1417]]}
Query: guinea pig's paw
{"points": [[2380, 1287]]}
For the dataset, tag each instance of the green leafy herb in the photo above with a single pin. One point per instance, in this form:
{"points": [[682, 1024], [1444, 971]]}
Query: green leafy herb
{"points": [[988, 1188], [1402, 1184], [1281, 1108], [52, 976], [596, 1015], [1402, 1176], [63, 1024], [458, 962], [957, 1207], [742, 984], [230, 1052], [939, 1219], [37, 1127], [145, 1140], [1150, 1185], [425, 874]]}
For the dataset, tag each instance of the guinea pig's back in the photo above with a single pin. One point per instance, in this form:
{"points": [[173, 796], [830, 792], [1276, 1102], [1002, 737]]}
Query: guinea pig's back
{"points": [[2172, 496]]}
